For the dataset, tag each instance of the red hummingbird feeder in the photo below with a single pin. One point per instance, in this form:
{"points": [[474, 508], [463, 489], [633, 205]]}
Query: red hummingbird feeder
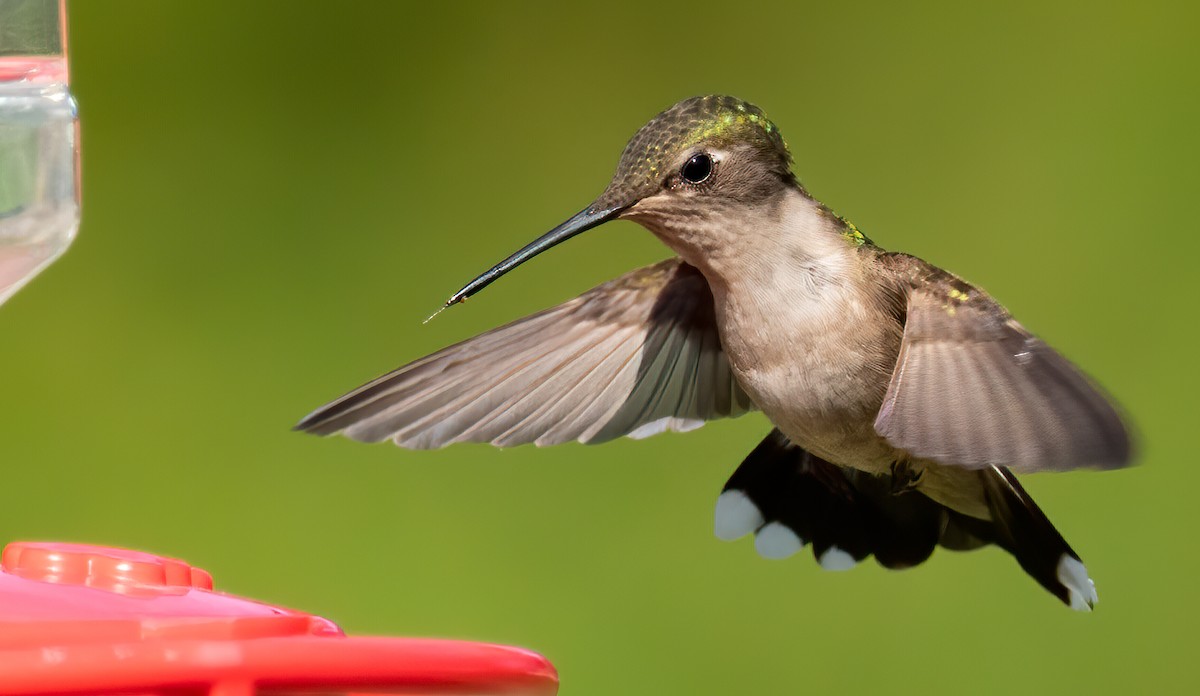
{"points": [[78, 619]]}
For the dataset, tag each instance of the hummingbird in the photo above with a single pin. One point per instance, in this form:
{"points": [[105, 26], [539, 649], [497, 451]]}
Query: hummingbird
{"points": [[903, 398]]}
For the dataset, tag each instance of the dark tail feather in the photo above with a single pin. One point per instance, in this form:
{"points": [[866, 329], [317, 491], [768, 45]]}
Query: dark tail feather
{"points": [[1021, 528], [789, 498]]}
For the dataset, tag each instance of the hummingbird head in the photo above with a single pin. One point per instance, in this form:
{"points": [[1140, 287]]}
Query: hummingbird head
{"points": [[709, 148], [696, 160]]}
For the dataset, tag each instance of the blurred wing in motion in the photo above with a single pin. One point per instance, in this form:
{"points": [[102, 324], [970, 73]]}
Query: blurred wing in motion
{"points": [[635, 356], [973, 388]]}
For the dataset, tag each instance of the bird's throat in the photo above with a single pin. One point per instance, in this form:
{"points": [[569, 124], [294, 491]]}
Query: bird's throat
{"points": [[790, 242]]}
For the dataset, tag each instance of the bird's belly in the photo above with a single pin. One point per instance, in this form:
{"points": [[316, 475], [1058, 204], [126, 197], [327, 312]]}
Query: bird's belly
{"points": [[829, 412], [822, 383]]}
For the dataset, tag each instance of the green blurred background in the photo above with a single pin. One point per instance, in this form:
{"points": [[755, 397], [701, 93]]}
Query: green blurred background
{"points": [[277, 193]]}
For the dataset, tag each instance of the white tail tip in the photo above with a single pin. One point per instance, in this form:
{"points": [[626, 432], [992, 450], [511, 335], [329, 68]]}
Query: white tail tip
{"points": [[776, 540], [1074, 576], [836, 559], [736, 516]]}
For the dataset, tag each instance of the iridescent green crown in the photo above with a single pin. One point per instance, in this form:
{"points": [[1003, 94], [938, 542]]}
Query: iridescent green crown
{"points": [[719, 120]]}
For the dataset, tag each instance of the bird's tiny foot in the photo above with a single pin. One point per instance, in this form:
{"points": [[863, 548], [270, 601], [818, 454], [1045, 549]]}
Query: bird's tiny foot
{"points": [[905, 477]]}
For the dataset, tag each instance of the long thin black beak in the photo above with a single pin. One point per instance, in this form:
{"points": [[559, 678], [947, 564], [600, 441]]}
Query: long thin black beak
{"points": [[582, 221]]}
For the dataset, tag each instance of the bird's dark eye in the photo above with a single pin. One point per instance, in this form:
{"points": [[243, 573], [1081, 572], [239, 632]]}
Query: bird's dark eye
{"points": [[697, 169]]}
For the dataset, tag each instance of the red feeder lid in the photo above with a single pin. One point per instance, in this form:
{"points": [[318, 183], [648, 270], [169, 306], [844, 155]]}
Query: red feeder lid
{"points": [[79, 619]]}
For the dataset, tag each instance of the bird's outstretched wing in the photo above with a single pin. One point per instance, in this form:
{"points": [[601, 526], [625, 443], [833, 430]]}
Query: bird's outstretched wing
{"points": [[635, 356], [973, 388]]}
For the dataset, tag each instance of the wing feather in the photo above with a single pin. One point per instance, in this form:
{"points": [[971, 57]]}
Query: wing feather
{"points": [[635, 356], [973, 388]]}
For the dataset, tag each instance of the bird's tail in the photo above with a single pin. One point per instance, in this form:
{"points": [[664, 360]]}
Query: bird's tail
{"points": [[790, 498], [1019, 526]]}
